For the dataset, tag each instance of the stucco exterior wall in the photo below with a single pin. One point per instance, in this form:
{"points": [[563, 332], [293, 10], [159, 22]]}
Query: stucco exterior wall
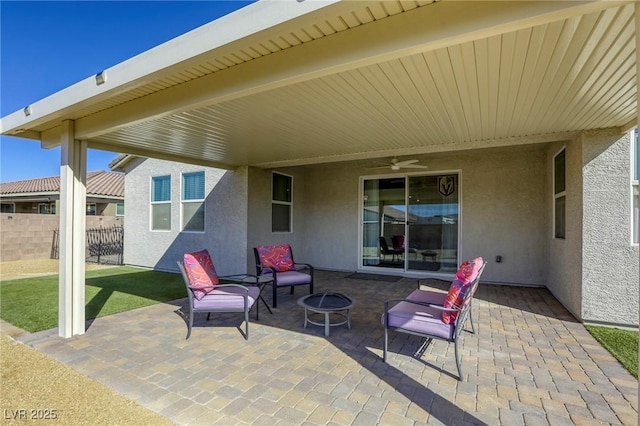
{"points": [[596, 263], [333, 216], [502, 211], [225, 233], [259, 214], [610, 261], [564, 278]]}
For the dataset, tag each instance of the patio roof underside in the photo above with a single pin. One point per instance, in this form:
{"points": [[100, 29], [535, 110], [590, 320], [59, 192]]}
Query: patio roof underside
{"points": [[358, 80]]}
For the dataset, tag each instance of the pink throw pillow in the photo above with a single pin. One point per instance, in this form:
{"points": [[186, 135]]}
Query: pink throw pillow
{"points": [[469, 269], [201, 273], [454, 299], [277, 257]]}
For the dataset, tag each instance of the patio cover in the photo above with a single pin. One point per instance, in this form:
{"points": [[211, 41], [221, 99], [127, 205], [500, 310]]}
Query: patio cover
{"points": [[285, 83]]}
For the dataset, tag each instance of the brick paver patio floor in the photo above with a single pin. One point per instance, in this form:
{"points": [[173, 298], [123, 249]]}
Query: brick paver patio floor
{"points": [[530, 362]]}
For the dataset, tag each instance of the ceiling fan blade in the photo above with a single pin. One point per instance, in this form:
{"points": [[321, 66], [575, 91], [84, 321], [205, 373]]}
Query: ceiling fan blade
{"points": [[405, 162], [395, 165]]}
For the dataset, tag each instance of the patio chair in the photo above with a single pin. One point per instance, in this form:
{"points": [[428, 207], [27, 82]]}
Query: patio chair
{"points": [[239, 294], [277, 262], [385, 250], [397, 242], [435, 315]]}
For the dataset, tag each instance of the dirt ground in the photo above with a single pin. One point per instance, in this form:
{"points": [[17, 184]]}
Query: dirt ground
{"points": [[33, 268], [36, 388]]}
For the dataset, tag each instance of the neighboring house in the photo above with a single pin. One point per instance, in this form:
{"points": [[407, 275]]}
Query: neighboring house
{"points": [[105, 195], [522, 111]]}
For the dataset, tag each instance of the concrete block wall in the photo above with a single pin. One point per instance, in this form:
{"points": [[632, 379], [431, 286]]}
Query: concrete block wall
{"points": [[27, 236]]}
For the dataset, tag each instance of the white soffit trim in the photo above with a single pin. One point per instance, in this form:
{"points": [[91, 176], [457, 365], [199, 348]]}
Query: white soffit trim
{"points": [[260, 16], [422, 30], [157, 61]]}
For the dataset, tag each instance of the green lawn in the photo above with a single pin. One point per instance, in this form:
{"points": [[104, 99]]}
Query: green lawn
{"points": [[623, 345], [32, 303]]}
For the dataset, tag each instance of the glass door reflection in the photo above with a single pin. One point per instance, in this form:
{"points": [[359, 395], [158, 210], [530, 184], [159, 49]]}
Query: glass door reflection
{"points": [[383, 221], [433, 218]]}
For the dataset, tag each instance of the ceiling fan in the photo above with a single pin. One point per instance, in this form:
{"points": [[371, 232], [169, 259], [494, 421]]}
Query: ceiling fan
{"points": [[396, 165]]}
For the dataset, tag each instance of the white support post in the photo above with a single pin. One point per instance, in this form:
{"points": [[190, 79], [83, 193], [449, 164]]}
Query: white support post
{"points": [[637, 19], [73, 196]]}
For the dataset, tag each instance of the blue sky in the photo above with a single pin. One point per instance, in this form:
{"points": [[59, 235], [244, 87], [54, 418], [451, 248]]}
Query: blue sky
{"points": [[46, 46]]}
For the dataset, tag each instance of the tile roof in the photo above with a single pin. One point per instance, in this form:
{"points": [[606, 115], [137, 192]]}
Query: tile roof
{"points": [[99, 183]]}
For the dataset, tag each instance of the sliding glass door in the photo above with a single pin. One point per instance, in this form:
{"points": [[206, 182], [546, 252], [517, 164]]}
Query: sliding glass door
{"points": [[411, 223], [433, 208], [383, 218]]}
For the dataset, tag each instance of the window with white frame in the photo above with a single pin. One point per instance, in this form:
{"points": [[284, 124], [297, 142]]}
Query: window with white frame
{"points": [[281, 203], [193, 202], [120, 209], [91, 209], [559, 195], [7, 207], [161, 203], [635, 212], [44, 208]]}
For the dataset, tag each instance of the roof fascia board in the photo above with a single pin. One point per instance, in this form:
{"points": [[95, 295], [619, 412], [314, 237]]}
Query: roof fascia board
{"points": [[121, 162], [43, 199], [99, 198], [29, 194], [159, 155], [147, 66], [23, 134], [31, 197], [419, 30]]}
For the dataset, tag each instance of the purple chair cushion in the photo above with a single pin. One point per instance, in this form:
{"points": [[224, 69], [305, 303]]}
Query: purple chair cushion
{"points": [[426, 296], [419, 319], [227, 298], [292, 278]]}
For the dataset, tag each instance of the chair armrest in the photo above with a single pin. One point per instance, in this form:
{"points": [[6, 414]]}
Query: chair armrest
{"points": [[239, 278], [194, 288], [303, 265], [233, 285], [272, 269], [428, 305]]}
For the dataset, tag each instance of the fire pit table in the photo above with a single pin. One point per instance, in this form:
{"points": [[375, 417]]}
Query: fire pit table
{"points": [[327, 303]]}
